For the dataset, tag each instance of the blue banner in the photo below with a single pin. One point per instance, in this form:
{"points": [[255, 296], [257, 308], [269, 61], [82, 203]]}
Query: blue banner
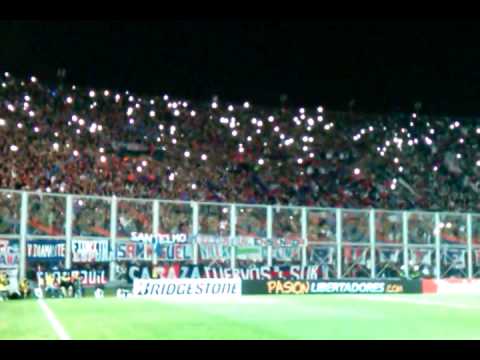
{"points": [[46, 250], [85, 251]]}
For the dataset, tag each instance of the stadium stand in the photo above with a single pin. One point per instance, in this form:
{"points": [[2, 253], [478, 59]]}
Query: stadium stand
{"points": [[65, 139]]}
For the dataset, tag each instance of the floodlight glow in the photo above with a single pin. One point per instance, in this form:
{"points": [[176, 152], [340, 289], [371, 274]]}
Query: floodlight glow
{"points": [[13, 148], [356, 171], [204, 157], [261, 161]]}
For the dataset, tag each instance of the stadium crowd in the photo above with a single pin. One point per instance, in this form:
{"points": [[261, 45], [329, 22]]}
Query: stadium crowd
{"points": [[64, 139]]}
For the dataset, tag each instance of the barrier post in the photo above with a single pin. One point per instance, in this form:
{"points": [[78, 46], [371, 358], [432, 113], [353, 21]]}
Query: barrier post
{"points": [[405, 243], [338, 214], [269, 234], [233, 230], [372, 243], [23, 234], [195, 231], [68, 231], [155, 226], [469, 246], [113, 236], [304, 236], [437, 245]]}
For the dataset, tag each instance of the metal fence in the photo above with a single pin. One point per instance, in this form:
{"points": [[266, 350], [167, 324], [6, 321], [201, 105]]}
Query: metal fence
{"points": [[344, 243]]}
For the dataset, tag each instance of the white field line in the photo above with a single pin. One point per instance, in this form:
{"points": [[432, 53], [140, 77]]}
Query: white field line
{"points": [[56, 325], [396, 298]]}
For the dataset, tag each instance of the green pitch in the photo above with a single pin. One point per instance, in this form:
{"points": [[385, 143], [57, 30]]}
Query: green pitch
{"points": [[248, 317]]}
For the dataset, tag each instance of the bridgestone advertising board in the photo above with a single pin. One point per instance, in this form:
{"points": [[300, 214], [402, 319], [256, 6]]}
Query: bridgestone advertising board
{"points": [[161, 288]]}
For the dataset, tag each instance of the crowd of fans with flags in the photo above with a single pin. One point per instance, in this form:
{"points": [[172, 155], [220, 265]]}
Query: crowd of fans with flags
{"points": [[66, 139]]}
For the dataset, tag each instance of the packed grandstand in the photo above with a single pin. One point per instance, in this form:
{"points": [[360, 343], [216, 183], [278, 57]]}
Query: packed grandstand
{"points": [[66, 139]]}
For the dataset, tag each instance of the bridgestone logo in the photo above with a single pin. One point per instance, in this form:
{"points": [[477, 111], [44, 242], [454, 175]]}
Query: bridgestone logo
{"points": [[187, 287], [347, 287]]}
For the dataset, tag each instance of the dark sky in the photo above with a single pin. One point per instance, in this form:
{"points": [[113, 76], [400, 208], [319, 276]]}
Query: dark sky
{"points": [[384, 65]]}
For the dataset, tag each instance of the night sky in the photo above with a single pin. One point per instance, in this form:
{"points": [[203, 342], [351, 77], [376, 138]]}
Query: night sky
{"points": [[383, 65]]}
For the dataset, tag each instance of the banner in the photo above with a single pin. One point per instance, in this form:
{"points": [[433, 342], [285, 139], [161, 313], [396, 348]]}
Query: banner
{"points": [[187, 287], [88, 277], [9, 252], [451, 286], [160, 238], [86, 251], [46, 250], [136, 149], [178, 271], [135, 250], [299, 287]]}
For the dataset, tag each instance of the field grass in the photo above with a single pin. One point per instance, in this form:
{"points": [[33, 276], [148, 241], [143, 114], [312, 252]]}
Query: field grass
{"points": [[249, 317]]}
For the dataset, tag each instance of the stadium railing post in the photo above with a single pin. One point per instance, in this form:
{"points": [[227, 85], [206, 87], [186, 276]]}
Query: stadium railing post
{"points": [[23, 234], [469, 246], [372, 243], [233, 228], [68, 231], [155, 224], [269, 234], [437, 245], [405, 243], [304, 236], [195, 231], [113, 235], [338, 214]]}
